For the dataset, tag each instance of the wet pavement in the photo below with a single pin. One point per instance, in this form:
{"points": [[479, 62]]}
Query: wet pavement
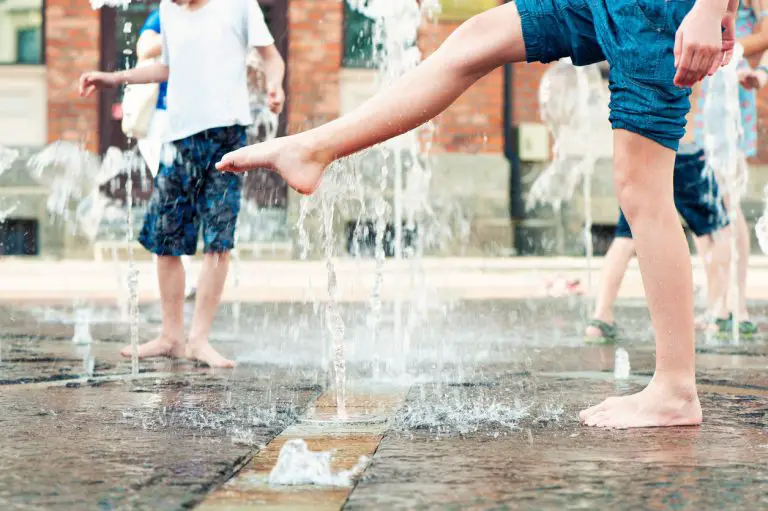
{"points": [[486, 417]]}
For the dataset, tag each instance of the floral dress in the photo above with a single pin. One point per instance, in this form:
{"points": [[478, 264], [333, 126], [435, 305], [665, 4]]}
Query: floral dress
{"points": [[746, 22]]}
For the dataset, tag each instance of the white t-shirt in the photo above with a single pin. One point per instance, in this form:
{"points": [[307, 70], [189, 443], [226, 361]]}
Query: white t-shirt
{"points": [[205, 51]]}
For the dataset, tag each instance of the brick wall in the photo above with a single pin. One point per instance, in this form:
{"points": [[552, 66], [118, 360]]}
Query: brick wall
{"points": [[475, 123], [72, 46], [314, 60]]}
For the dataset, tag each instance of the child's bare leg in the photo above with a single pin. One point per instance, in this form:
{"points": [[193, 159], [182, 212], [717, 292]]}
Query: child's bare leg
{"points": [[643, 172], [209, 290], [743, 249], [614, 267], [715, 253], [480, 45], [170, 343]]}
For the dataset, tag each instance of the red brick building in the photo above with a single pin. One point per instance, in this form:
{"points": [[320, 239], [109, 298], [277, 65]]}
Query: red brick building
{"points": [[475, 144]]}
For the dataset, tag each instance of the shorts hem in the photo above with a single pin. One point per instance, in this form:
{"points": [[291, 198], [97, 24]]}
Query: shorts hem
{"points": [[217, 250], [160, 251], [669, 143], [710, 229]]}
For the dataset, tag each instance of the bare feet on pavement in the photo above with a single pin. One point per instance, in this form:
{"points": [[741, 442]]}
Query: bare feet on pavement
{"points": [[658, 405], [209, 356], [290, 157], [160, 347]]}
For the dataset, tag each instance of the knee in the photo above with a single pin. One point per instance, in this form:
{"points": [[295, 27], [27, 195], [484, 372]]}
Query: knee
{"points": [[221, 257], [628, 192], [641, 191]]}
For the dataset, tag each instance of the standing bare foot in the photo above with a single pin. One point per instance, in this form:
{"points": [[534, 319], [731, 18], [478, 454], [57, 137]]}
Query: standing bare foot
{"points": [[160, 347], [658, 405], [291, 157], [206, 354]]}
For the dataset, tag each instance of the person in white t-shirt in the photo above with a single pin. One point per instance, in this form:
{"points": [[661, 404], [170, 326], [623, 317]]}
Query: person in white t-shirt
{"points": [[149, 48], [205, 46]]}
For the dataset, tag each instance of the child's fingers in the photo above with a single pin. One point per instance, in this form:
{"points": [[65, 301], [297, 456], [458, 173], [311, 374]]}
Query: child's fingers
{"points": [[226, 164]]}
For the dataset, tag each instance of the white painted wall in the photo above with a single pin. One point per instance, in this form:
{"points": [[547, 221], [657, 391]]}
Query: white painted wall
{"points": [[23, 106]]}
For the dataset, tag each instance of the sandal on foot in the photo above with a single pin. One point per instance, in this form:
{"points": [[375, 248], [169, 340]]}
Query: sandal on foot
{"points": [[747, 329], [609, 332]]}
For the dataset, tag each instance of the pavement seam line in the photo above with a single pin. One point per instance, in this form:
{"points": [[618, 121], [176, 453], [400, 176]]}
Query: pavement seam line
{"points": [[249, 488]]}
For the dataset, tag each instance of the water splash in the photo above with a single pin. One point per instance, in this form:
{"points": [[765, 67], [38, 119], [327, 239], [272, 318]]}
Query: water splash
{"points": [[403, 160], [7, 157], [339, 183], [299, 466], [621, 367], [334, 321], [82, 335], [68, 171], [238, 421], [73, 177], [566, 114], [726, 161]]}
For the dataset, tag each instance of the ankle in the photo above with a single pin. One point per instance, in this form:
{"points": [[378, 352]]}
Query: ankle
{"points": [[198, 343], [315, 151], [604, 316], [681, 384], [171, 338]]}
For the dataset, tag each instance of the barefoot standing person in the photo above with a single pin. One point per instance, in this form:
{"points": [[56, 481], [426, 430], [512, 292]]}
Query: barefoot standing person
{"points": [[149, 48], [205, 45], [657, 49]]}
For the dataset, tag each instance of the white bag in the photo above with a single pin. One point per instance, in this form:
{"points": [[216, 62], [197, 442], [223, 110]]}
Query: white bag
{"points": [[139, 102]]}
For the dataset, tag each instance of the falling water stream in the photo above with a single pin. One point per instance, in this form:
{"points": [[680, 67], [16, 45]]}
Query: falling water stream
{"points": [[568, 115], [726, 162]]}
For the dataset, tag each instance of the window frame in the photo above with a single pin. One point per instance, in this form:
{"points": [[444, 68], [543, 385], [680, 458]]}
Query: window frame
{"points": [[354, 63], [43, 42]]}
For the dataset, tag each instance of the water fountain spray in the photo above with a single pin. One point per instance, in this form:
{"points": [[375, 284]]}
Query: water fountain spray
{"points": [[567, 115], [396, 25], [726, 162]]}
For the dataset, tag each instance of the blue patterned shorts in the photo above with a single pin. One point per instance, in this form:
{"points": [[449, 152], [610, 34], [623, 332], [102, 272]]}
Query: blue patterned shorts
{"points": [[190, 194]]}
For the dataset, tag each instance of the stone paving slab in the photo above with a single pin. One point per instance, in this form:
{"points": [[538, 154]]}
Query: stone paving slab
{"points": [[561, 465], [149, 444]]}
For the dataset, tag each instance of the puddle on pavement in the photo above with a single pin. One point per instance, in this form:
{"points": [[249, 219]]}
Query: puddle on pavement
{"points": [[559, 464]]}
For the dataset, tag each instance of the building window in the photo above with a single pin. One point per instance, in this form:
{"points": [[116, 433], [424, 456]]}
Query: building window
{"points": [[19, 236], [359, 30], [28, 44], [21, 32]]}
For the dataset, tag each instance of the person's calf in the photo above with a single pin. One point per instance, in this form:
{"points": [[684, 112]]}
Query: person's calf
{"points": [[210, 288]]}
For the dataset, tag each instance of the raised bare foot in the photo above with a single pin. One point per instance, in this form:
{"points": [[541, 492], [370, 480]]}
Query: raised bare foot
{"points": [[290, 157], [209, 356], [658, 405], [160, 347]]}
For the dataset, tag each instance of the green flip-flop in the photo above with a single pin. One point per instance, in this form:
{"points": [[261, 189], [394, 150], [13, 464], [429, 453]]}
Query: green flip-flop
{"points": [[747, 329], [609, 331]]}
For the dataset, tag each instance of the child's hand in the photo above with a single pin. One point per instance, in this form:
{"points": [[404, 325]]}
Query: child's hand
{"points": [[89, 82], [275, 98], [753, 78], [704, 41]]}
